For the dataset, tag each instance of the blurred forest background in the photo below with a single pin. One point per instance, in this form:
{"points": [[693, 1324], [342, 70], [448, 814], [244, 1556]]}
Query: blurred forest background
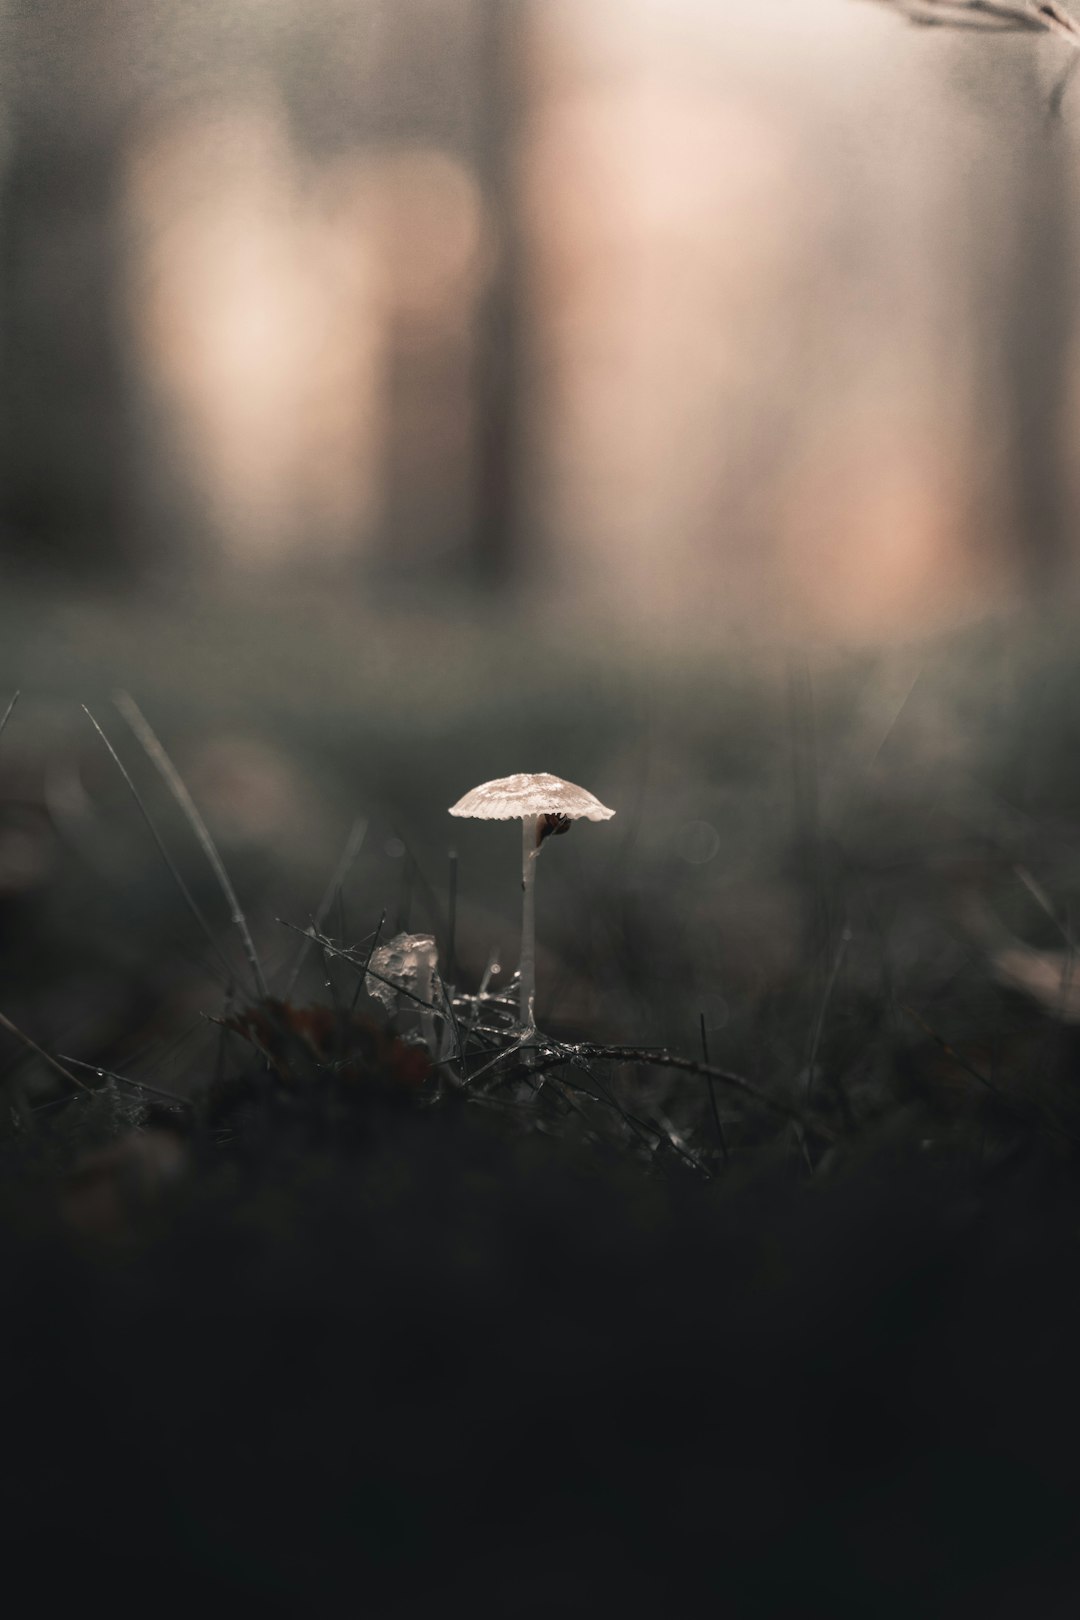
{"points": [[681, 312], [678, 396], [681, 396]]}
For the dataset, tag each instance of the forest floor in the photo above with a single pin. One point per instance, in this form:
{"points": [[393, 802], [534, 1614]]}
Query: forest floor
{"points": [[755, 1286]]}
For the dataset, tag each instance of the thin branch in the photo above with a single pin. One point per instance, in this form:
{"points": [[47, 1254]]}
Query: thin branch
{"points": [[992, 16], [367, 971], [361, 982], [641, 1128], [126, 1080], [661, 1058], [556, 1055]]}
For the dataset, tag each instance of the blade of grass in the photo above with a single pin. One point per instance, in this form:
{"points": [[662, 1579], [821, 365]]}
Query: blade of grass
{"points": [[349, 854], [451, 922], [405, 892], [367, 965], [1044, 902], [174, 782], [7, 713], [717, 1121], [174, 871], [823, 1007], [58, 1068], [1044, 1123], [226, 1015]]}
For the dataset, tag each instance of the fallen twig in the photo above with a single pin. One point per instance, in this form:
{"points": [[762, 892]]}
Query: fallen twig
{"points": [[659, 1057]]}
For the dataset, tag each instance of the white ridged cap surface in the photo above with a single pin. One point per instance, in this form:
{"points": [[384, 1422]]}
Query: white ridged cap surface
{"points": [[509, 798]]}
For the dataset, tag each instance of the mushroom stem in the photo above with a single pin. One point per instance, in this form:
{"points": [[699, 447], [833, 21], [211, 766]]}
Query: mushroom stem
{"points": [[528, 922]]}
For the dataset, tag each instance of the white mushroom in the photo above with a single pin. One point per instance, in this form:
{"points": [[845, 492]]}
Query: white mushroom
{"points": [[544, 805], [408, 962]]}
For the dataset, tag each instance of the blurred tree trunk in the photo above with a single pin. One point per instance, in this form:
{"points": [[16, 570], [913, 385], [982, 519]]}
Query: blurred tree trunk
{"points": [[498, 537], [422, 109], [1036, 335], [65, 445]]}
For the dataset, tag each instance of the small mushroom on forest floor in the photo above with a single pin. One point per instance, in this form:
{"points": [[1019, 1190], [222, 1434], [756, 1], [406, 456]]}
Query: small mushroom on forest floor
{"points": [[545, 805], [407, 962]]}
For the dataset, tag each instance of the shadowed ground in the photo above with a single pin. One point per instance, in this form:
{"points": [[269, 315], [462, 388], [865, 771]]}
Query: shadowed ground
{"points": [[322, 1337]]}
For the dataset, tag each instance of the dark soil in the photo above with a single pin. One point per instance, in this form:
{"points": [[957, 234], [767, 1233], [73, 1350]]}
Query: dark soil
{"points": [[329, 1346]]}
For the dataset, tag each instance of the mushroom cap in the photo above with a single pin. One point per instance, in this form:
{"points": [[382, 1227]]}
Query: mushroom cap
{"points": [[510, 798], [409, 960]]}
